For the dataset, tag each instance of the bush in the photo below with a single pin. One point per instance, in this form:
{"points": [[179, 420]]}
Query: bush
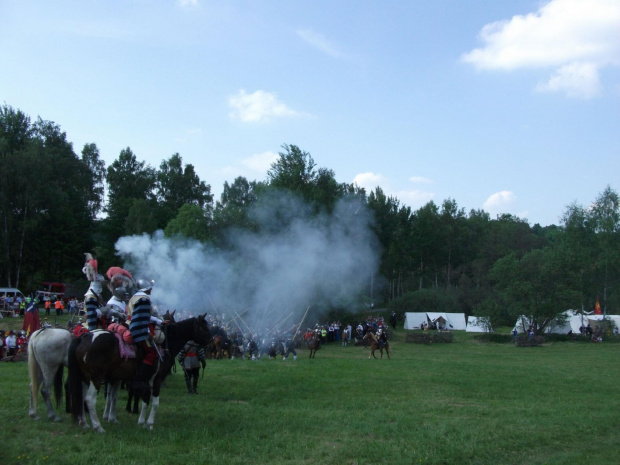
{"points": [[421, 337], [492, 337], [526, 341]]}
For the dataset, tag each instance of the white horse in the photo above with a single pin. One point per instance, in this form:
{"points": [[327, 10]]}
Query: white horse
{"points": [[48, 349]]}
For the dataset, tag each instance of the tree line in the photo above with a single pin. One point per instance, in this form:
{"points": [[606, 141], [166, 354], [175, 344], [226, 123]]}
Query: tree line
{"points": [[56, 204]]}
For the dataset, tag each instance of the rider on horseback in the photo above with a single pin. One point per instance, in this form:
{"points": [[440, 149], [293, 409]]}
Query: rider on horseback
{"points": [[139, 311], [382, 338], [92, 302]]}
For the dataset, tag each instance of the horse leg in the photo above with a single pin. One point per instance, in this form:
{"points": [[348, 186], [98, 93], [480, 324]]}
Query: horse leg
{"points": [[91, 403], [109, 413], [46, 391], [154, 406]]}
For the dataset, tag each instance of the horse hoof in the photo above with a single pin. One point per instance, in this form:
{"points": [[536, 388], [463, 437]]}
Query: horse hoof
{"points": [[56, 419], [35, 417], [99, 430]]}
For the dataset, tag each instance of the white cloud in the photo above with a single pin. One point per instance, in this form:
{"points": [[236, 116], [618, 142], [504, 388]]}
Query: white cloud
{"points": [[318, 41], [499, 202], [370, 181], [260, 162], [581, 37], [187, 3], [414, 198], [576, 80], [420, 180], [259, 106]]}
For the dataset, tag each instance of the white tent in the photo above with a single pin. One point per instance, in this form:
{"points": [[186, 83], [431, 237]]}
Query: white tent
{"points": [[478, 324], [569, 320], [413, 320], [451, 321]]}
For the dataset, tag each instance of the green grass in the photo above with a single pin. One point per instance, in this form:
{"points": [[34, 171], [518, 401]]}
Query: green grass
{"points": [[460, 403]]}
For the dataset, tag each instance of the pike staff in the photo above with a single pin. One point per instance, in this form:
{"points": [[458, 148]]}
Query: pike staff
{"points": [[301, 322]]}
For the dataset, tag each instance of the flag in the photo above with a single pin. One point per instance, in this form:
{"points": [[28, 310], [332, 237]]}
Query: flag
{"points": [[597, 307], [31, 318]]}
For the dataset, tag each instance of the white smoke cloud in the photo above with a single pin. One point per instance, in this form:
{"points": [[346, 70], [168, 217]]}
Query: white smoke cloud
{"points": [[264, 278]]}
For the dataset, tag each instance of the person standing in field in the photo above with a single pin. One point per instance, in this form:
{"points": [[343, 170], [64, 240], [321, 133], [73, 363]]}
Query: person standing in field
{"points": [[191, 357]]}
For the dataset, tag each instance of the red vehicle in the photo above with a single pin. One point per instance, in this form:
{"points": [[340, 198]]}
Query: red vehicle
{"points": [[51, 291]]}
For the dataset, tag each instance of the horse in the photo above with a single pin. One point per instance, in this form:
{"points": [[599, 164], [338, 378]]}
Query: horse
{"points": [[374, 345], [167, 362], [96, 356], [47, 358], [314, 344]]}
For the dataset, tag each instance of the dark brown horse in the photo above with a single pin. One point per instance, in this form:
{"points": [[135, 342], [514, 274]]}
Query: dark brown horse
{"points": [[314, 344], [96, 356], [167, 362], [374, 345]]}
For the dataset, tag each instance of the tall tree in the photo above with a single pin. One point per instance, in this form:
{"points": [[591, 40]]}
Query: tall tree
{"points": [[128, 180], [178, 185], [15, 135], [96, 166], [604, 216]]}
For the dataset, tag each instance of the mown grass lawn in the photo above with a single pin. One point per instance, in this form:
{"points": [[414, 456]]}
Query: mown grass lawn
{"points": [[460, 403]]}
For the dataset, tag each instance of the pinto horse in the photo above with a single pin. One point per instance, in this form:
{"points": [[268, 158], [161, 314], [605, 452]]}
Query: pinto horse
{"points": [[314, 344], [374, 345], [47, 357], [96, 356]]}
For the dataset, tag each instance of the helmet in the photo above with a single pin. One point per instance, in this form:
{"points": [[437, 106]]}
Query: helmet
{"points": [[144, 284], [120, 292]]}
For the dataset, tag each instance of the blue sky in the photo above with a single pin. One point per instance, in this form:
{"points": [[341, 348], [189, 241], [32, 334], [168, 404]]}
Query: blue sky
{"points": [[509, 106]]}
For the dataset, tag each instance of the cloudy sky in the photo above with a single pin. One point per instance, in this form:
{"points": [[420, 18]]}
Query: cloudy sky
{"points": [[509, 106]]}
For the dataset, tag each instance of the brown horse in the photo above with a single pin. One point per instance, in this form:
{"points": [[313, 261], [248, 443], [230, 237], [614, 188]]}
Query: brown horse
{"points": [[374, 345], [314, 344], [96, 356]]}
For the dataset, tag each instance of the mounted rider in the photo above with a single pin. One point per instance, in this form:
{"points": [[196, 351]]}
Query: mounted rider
{"points": [[382, 337], [139, 311], [92, 302], [117, 303]]}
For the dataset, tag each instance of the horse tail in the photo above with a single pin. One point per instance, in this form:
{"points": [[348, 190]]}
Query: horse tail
{"points": [[75, 383], [58, 384], [33, 372]]}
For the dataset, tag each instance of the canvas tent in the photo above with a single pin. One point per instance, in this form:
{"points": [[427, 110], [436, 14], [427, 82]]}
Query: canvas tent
{"points": [[478, 324], [569, 320], [450, 321]]}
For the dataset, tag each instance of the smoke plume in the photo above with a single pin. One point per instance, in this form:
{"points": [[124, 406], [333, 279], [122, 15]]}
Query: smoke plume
{"points": [[264, 278]]}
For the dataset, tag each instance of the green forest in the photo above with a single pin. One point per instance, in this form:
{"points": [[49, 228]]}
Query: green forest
{"points": [[56, 204]]}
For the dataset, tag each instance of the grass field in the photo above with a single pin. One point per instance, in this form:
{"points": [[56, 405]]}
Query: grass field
{"points": [[460, 403]]}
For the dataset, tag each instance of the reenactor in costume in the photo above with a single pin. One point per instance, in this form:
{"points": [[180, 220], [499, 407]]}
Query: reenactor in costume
{"points": [[191, 357], [92, 302], [139, 311]]}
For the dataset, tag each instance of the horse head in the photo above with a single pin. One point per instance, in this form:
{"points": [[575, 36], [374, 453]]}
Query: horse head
{"points": [[169, 317], [202, 335]]}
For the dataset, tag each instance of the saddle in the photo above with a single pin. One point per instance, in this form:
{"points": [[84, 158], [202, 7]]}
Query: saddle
{"points": [[125, 341]]}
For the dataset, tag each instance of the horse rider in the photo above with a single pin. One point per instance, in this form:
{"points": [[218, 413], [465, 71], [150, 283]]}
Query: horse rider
{"points": [[139, 311], [382, 338], [117, 303], [92, 302], [191, 357]]}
